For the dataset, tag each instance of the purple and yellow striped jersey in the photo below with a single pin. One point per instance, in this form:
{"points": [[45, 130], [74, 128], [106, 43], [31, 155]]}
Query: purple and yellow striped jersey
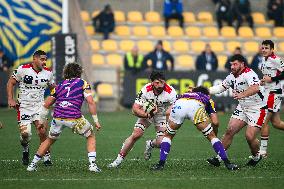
{"points": [[69, 96]]}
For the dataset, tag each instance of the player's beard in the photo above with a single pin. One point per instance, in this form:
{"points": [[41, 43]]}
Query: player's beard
{"points": [[159, 90]]}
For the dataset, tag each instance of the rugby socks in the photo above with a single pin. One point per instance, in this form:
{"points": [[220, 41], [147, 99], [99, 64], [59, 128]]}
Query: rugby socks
{"points": [[46, 156], [165, 149], [25, 146], [36, 159], [92, 157], [219, 149], [263, 143]]}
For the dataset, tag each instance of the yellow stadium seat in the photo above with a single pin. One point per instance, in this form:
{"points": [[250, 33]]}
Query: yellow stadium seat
{"points": [[281, 47], [122, 31], [95, 45], [221, 62], [140, 31], [278, 32], [189, 17], [181, 46], [152, 16], [231, 45], [114, 60], [205, 17], [85, 16], [185, 62], [228, 32], [90, 30], [167, 45], [175, 31], [197, 46], [109, 45], [245, 32], [210, 32], [119, 16], [95, 13], [105, 90], [134, 16], [157, 31], [98, 59], [217, 46], [258, 18], [193, 32], [126, 45], [145, 45], [263, 32], [251, 47]]}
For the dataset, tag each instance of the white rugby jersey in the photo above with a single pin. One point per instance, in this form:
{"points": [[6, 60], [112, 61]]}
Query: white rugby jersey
{"points": [[241, 83], [272, 66], [32, 83], [163, 100]]}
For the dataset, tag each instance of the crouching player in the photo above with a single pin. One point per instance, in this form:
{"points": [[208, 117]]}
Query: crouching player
{"points": [[193, 106], [68, 97]]}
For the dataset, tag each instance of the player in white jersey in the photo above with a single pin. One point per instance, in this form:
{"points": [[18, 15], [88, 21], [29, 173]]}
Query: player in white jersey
{"points": [[33, 79], [250, 110], [163, 96], [272, 68]]}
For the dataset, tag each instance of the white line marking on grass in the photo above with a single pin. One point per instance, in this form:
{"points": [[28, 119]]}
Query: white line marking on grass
{"points": [[141, 179]]}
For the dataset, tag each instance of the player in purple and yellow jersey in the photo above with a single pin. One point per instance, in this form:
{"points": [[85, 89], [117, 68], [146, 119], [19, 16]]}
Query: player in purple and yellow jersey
{"points": [[194, 106], [68, 97]]}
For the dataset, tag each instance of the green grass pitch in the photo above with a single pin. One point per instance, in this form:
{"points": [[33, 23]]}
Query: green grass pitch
{"points": [[186, 166]]}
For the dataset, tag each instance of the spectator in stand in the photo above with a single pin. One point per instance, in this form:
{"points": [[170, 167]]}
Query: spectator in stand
{"points": [[237, 50], [5, 63], [256, 61], [159, 58], [173, 10], [133, 61], [242, 11], [275, 9], [104, 22], [207, 60], [223, 12]]}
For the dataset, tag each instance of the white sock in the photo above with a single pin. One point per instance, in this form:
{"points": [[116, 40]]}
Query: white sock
{"points": [[36, 159], [92, 157], [263, 144], [46, 156]]}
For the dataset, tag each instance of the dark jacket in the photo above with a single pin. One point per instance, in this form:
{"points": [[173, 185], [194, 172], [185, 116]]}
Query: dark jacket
{"points": [[242, 8], [201, 61], [104, 20], [155, 61], [255, 63]]}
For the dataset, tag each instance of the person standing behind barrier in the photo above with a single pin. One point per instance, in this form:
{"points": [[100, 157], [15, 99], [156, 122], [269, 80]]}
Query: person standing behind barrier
{"points": [[242, 11], [275, 9], [104, 22], [159, 58], [207, 60], [173, 10], [133, 61], [224, 12]]}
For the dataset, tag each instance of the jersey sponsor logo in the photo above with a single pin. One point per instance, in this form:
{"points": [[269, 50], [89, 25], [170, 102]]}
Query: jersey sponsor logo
{"points": [[28, 79], [65, 104]]}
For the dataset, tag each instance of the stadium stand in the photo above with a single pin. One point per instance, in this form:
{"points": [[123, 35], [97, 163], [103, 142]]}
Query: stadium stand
{"points": [[98, 59], [126, 45], [181, 46], [193, 32], [134, 16], [153, 17]]}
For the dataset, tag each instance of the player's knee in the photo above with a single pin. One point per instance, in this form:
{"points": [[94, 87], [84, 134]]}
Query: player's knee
{"points": [[139, 126], [208, 130], [250, 136], [160, 134], [170, 131], [25, 132]]}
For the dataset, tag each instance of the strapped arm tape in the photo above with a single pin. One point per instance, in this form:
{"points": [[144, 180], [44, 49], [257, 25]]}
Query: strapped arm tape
{"points": [[207, 130], [160, 133], [140, 126], [217, 89]]}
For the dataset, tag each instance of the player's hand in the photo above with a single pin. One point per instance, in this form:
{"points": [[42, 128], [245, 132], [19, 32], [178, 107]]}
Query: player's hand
{"points": [[98, 126], [237, 95], [266, 79], [12, 103]]}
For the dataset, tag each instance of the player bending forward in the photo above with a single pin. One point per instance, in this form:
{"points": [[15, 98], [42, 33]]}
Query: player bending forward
{"points": [[68, 97], [163, 96]]}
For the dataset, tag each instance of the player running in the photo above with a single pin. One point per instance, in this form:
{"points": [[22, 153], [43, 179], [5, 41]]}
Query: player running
{"points": [[33, 79], [163, 95], [68, 97], [250, 110]]}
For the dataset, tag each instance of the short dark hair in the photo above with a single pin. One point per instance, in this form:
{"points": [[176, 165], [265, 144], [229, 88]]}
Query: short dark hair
{"points": [[39, 53], [268, 42], [238, 57], [157, 75], [72, 70], [201, 89]]}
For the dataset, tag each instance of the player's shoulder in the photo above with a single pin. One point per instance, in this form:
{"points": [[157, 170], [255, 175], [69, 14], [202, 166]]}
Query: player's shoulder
{"points": [[47, 69], [147, 88], [25, 66], [169, 89]]}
